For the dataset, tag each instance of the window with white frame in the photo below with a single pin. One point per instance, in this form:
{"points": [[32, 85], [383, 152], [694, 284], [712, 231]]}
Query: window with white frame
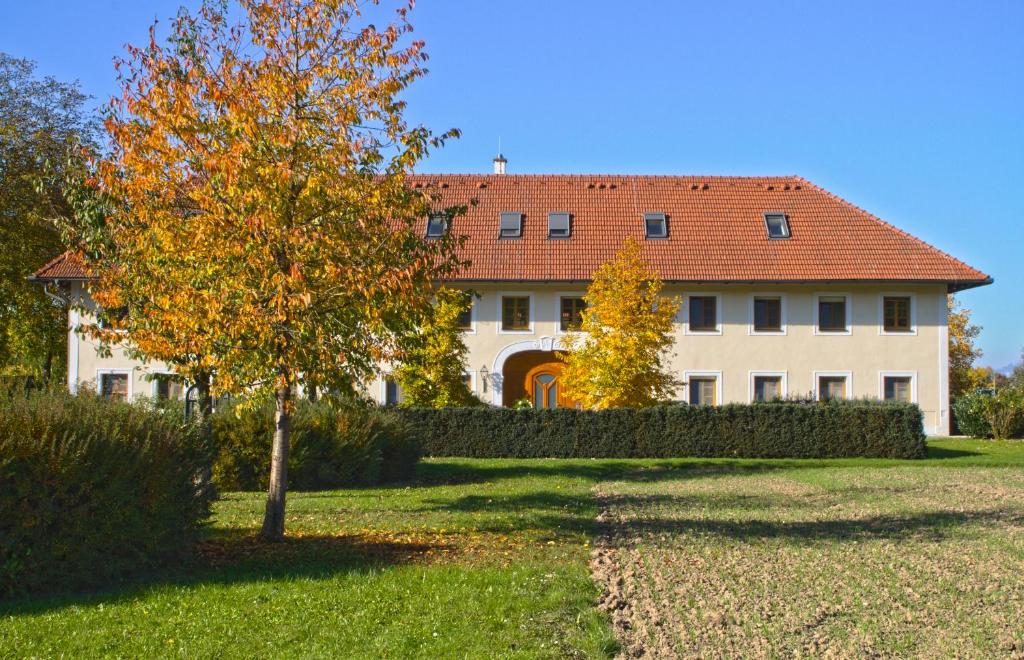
{"points": [[703, 388], [392, 392], [832, 314], [900, 386], [114, 385], [515, 313], [832, 385], [767, 314], [897, 314], [767, 385], [167, 387], [703, 314], [570, 313]]}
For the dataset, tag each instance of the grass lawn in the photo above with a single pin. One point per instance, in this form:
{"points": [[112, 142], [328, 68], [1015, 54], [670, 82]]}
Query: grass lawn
{"points": [[490, 557]]}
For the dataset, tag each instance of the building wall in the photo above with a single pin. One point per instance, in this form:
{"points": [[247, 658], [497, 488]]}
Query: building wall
{"points": [[86, 363], [735, 353], [732, 354]]}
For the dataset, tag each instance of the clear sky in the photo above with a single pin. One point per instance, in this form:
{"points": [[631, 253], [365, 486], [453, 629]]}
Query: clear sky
{"points": [[913, 110]]}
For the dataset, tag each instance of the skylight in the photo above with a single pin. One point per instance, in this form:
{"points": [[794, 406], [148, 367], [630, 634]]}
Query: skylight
{"points": [[655, 225], [777, 224], [436, 225], [558, 225], [511, 225]]}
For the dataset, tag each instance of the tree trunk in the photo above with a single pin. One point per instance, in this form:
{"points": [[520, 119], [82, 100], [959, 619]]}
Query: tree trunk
{"points": [[273, 519], [204, 402]]}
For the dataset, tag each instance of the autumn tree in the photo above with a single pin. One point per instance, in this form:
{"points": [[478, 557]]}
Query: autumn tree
{"points": [[433, 360], [42, 121], [618, 358], [260, 218], [962, 351]]}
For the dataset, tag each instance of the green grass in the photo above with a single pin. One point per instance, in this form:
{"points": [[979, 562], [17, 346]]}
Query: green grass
{"points": [[482, 558]]}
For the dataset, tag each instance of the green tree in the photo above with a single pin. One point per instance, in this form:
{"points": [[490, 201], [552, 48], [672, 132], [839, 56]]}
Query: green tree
{"points": [[962, 351], [260, 217], [433, 359], [618, 358], [42, 120]]}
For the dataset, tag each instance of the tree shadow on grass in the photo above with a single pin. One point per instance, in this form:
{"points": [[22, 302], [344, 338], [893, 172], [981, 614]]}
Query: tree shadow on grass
{"points": [[456, 471], [236, 556], [927, 525]]}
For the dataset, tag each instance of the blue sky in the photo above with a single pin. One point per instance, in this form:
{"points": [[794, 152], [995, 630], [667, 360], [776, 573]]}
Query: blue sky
{"points": [[913, 110]]}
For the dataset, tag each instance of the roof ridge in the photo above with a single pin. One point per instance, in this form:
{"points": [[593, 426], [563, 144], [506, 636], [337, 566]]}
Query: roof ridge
{"points": [[889, 225], [537, 175]]}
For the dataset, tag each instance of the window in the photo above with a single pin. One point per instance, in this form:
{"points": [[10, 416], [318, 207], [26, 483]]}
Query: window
{"points": [[767, 314], [703, 313], [165, 386], [832, 314], [655, 225], [392, 392], [510, 225], [515, 313], [436, 226], [896, 314], [467, 380], [558, 225], [114, 386], [702, 390], [831, 387], [897, 388], [767, 388], [111, 319], [571, 313], [465, 318], [777, 225]]}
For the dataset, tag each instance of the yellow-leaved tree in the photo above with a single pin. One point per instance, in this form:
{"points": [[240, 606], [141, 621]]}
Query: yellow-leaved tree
{"points": [[618, 357], [964, 377], [260, 225], [433, 358]]}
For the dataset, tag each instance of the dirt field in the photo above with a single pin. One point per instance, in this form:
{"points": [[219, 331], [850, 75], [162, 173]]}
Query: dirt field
{"points": [[768, 559]]}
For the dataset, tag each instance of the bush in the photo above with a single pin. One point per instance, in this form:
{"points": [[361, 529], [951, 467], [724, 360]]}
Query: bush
{"points": [[984, 413], [1004, 412], [333, 444], [94, 491], [773, 430], [969, 412]]}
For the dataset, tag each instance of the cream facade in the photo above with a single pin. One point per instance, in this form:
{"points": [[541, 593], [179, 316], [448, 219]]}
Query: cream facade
{"points": [[734, 354]]}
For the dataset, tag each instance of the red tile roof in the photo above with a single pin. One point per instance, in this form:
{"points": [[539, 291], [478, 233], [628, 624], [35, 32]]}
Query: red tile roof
{"points": [[67, 266], [715, 224]]}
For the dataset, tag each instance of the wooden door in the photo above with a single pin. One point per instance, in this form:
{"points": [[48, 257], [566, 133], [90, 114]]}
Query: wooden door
{"points": [[544, 387]]}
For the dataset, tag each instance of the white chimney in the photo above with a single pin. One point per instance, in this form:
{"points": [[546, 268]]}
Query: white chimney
{"points": [[499, 164]]}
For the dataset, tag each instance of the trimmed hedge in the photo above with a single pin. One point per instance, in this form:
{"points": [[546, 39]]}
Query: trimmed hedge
{"points": [[92, 492], [765, 430], [333, 444]]}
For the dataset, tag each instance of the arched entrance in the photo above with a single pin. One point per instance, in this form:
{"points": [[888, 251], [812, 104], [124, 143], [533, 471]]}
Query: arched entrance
{"points": [[534, 375]]}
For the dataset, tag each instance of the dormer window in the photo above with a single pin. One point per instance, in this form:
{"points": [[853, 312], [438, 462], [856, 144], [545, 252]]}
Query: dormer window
{"points": [[558, 225], [510, 225], [777, 224], [655, 225], [436, 226]]}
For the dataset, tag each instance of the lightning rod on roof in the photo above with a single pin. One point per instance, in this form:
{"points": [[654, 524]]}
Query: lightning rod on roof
{"points": [[499, 161]]}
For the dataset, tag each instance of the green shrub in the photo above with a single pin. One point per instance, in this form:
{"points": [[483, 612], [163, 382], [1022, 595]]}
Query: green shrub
{"points": [[969, 412], [774, 430], [984, 413], [333, 444], [1004, 412], [92, 491]]}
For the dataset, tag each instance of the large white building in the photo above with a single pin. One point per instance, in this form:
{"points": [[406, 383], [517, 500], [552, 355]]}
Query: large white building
{"points": [[786, 289]]}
